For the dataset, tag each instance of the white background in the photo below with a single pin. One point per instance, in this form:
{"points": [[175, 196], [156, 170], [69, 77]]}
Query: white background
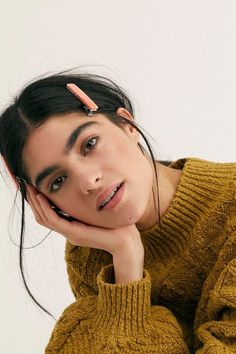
{"points": [[177, 61]]}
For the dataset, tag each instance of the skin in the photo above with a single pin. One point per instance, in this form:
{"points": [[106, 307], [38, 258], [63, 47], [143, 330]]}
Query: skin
{"points": [[116, 157]]}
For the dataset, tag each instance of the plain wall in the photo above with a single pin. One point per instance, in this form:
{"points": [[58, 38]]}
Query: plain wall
{"points": [[177, 61]]}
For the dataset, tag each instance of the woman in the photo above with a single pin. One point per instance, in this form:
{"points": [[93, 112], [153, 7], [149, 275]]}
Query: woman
{"points": [[146, 276]]}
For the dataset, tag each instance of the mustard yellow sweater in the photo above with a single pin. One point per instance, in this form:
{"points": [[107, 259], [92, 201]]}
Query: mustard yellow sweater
{"points": [[186, 301]]}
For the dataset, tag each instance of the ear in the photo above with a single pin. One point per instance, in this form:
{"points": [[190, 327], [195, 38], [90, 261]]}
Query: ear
{"points": [[122, 112], [129, 129]]}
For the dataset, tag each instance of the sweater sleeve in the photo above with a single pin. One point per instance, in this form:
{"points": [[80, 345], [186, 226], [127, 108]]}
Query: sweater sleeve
{"points": [[119, 319], [218, 333]]}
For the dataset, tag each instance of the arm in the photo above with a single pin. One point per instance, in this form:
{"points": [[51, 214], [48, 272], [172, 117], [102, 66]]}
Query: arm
{"points": [[218, 333], [120, 318], [128, 262]]}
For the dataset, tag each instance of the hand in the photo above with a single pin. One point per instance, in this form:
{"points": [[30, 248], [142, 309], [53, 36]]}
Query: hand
{"points": [[114, 241]]}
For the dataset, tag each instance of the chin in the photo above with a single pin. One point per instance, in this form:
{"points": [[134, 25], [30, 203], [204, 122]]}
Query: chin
{"points": [[125, 218], [129, 214]]}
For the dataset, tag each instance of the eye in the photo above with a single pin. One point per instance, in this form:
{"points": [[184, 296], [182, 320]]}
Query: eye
{"points": [[56, 184], [90, 145]]}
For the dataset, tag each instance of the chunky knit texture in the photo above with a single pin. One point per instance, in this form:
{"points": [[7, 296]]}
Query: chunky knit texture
{"points": [[186, 301]]}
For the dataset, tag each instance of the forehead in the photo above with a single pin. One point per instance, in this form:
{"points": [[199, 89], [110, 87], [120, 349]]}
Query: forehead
{"points": [[45, 144]]}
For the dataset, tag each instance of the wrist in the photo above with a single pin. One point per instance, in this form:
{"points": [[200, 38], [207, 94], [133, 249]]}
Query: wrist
{"points": [[128, 265]]}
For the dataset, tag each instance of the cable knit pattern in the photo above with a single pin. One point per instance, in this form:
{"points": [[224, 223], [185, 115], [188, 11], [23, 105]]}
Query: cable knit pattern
{"points": [[186, 300]]}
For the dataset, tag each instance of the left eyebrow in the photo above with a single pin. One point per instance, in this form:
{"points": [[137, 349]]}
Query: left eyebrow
{"points": [[69, 145]]}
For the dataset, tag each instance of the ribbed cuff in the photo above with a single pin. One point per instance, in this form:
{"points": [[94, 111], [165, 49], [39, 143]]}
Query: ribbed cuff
{"points": [[122, 307]]}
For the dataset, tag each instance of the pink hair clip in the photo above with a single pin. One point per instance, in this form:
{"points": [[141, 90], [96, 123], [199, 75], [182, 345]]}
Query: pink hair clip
{"points": [[90, 105], [11, 174]]}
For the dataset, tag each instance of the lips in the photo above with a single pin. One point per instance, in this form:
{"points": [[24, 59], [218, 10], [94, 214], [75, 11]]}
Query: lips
{"points": [[106, 193]]}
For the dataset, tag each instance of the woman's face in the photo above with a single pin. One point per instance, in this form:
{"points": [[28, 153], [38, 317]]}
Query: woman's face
{"points": [[73, 173]]}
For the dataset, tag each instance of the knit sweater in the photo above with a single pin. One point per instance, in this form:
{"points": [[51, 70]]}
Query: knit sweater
{"points": [[186, 300]]}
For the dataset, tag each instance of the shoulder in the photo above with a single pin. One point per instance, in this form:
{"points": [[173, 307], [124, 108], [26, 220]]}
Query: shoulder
{"points": [[215, 178]]}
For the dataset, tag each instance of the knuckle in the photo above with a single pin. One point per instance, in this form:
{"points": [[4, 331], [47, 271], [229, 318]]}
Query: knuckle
{"points": [[73, 240], [39, 221], [53, 227], [73, 243]]}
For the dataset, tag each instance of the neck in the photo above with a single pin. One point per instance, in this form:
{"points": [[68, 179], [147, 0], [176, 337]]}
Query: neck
{"points": [[168, 180]]}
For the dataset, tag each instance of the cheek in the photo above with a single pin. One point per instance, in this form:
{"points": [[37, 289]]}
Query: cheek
{"points": [[75, 208]]}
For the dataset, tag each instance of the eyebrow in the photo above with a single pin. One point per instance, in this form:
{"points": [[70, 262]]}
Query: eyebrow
{"points": [[68, 147]]}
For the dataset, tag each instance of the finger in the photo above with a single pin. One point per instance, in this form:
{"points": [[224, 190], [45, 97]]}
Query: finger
{"points": [[39, 214], [46, 216], [33, 208], [53, 219], [75, 231]]}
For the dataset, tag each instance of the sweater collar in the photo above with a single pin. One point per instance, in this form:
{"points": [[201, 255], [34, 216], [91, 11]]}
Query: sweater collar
{"points": [[190, 201]]}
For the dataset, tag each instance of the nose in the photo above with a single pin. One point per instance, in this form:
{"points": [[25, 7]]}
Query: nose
{"points": [[87, 177]]}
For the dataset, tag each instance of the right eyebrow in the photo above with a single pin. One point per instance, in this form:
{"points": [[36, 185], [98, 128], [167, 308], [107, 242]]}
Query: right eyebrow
{"points": [[69, 145]]}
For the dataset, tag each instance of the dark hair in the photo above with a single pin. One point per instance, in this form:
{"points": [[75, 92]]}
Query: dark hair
{"points": [[40, 100]]}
